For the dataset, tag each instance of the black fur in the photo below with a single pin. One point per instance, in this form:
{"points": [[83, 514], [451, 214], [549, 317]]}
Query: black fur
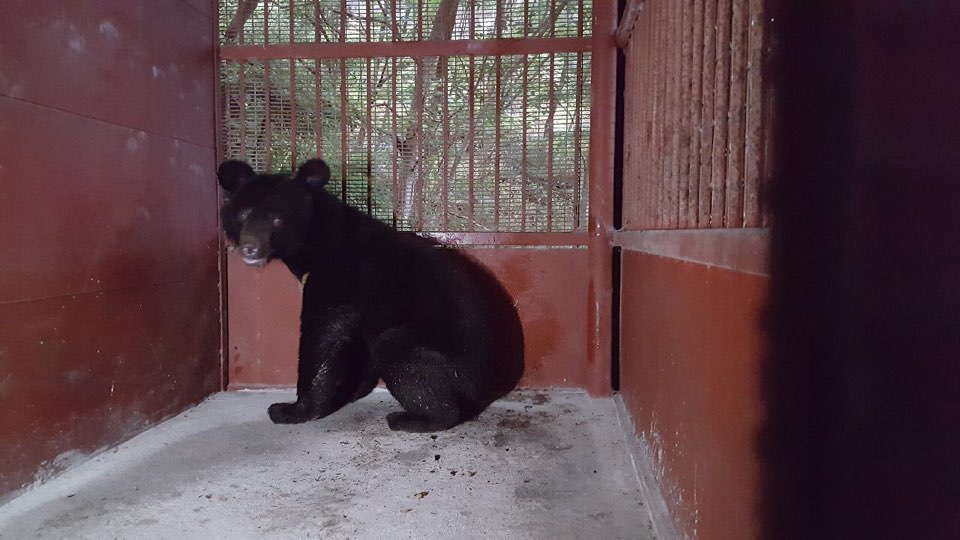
{"points": [[440, 332]]}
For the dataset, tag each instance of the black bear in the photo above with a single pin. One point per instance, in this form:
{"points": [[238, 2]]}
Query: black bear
{"points": [[378, 304]]}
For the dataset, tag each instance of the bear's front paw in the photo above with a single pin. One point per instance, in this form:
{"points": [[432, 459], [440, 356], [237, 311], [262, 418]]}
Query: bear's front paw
{"points": [[288, 413]]}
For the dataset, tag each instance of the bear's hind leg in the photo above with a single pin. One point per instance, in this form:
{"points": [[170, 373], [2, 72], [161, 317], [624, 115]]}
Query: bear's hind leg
{"points": [[424, 384]]}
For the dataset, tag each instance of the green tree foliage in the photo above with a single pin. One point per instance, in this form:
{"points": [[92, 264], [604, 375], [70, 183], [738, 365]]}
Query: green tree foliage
{"points": [[434, 143]]}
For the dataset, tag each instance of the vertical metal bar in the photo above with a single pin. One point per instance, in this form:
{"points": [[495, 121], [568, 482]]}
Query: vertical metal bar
{"points": [[220, 155], [599, 289], [395, 192], [753, 152], [578, 127], [420, 20], [268, 118], [343, 104], [293, 100], [369, 165], [243, 110], [421, 154], [394, 189], [551, 97], [318, 87], [266, 22], [445, 150], [720, 112], [242, 100], [267, 97], [733, 212], [498, 104], [471, 98], [706, 138], [524, 187]]}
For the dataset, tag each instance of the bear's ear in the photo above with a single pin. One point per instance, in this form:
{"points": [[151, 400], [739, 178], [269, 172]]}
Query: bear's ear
{"points": [[233, 173], [314, 172]]}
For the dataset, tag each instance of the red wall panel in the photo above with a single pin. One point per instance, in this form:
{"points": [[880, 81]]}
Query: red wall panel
{"points": [[690, 361], [548, 285], [145, 65], [109, 317], [106, 207]]}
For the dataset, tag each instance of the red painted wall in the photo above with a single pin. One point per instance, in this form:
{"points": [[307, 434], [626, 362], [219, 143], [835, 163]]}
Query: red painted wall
{"points": [[690, 362], [109, 316], [697, 134], [548, 285]]}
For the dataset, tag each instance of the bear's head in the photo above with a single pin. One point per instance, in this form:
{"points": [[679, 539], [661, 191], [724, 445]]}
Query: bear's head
{"points": [[266, 215]]}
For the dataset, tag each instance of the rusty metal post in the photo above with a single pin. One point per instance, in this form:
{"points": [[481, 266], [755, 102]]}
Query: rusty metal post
{"points": [[603, 99]]}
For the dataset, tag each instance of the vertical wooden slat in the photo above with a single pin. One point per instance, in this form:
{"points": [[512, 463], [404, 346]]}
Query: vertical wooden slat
{"points": [[629, 131], [706, 138], [753, 149], [696, 141], [660, 80], [684, 158], [649, 194], [733, 214], [767, 160], [696, 112], [673, 120], [647, 202], [650, 112], [718, 161]]}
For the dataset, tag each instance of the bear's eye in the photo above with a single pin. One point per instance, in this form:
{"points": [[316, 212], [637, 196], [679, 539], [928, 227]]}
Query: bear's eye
{"points": [[277, 222], [244, 214]]}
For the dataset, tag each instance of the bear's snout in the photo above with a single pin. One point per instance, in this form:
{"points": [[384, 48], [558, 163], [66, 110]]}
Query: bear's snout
{"points": [[250, 251]]}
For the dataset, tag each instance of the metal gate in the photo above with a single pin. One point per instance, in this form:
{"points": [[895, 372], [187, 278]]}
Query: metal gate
{"points": [[466, 120]]}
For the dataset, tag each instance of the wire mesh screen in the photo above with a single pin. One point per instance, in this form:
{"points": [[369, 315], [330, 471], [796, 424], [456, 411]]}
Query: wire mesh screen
{"points": [[328, 21], [469, 143]]}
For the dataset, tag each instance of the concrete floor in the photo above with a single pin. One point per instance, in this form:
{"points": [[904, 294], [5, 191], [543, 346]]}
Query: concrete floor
{"points": [[536, 465]]}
